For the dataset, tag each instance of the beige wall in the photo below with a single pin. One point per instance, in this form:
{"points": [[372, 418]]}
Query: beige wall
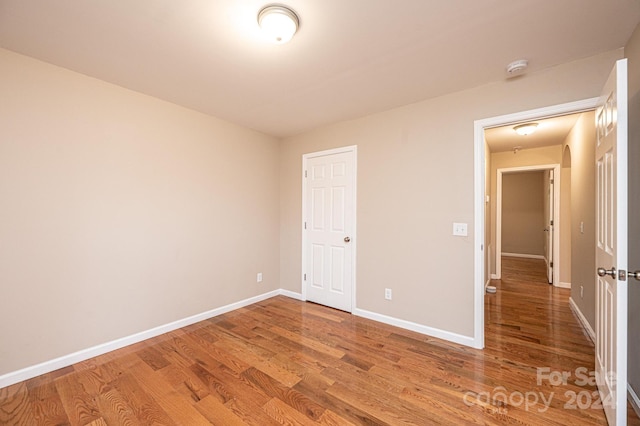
{"points": [[121, 212], [565, 216], [523, 213], [488, 260], [415, 178], [632, 51], [526, 157], [581, 142]]}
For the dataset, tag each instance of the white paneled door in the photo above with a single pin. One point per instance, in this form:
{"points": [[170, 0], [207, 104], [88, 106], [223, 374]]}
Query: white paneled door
{"points": [[611, 245], [329, 227], [549, 226]]}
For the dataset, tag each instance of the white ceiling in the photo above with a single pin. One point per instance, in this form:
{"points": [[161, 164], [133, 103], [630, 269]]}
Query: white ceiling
{"points": [[349, 59], [550, 131]]}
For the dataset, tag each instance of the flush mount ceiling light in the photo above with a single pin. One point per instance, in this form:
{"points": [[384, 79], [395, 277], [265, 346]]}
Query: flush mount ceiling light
{"points": [[279, 23], [526, 129]]}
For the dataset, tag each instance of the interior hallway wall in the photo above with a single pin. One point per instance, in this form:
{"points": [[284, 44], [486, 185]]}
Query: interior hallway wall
{"points": [[581, 142], [488, 261], [565, 217]]}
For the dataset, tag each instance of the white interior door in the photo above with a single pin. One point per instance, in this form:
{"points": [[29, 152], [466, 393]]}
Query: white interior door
{"points": [[329, 225], [549, 226], [611, 245]]}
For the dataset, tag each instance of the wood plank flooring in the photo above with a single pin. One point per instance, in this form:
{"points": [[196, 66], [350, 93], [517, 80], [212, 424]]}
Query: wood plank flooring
{"points": [[283, 361]]}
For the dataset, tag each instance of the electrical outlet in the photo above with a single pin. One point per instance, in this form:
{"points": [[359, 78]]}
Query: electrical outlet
{"points": [[581, 292], [387, 293], [259, 277]]}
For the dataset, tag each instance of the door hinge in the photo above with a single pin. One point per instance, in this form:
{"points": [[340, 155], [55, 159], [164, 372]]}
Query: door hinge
{"points": [[551, 264], [305, 277], [551, 223], [551, 181], [305, 225], [305, 173]]}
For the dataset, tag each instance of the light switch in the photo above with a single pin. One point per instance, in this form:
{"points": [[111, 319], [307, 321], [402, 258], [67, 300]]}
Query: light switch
{"points": [[460, 229]]}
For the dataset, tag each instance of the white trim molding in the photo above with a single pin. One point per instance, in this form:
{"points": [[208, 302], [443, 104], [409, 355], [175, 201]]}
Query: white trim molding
{"points": [[13, 377], [479, 127], [556, 214], [523, 255], [633, 399], [292, 295], [561, 284], [419, 328], [82, 355], [583, 320]]}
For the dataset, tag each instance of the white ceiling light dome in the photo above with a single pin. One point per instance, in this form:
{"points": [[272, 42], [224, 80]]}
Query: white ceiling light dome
{"points": [[279, 23], [526, 129]]}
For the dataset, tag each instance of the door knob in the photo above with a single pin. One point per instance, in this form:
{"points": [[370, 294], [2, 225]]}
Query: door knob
{"points": [[635, 275], [347, 239], [602, 272]]}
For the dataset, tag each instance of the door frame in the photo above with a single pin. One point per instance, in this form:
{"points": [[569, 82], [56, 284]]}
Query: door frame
{"points": [[479, 127], [555, 258], [354, 240]]}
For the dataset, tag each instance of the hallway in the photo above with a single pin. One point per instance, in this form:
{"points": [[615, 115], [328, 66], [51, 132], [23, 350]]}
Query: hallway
{"points": [[530, 326]]}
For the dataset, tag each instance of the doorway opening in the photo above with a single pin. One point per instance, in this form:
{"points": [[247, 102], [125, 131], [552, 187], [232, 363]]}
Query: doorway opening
{"points": [[482, 198], [527, 223], [329, 227]]}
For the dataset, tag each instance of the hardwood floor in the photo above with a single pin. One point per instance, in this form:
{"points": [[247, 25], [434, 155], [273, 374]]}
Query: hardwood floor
{"points": [[283, 361]]}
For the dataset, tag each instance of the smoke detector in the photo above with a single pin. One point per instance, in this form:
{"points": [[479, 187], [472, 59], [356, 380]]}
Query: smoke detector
{"points": [[516, 67]]}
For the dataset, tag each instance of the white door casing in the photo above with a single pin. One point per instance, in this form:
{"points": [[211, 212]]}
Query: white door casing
{"points": [[555, 240], [329, 219], [611, 245]]}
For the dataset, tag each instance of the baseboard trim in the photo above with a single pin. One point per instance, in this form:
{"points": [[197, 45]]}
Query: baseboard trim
{"points": [[583, 320], [634, 400], [563, 285], [27, 373], [292, 294], [526, 256], [11, 378], [419, 328]]}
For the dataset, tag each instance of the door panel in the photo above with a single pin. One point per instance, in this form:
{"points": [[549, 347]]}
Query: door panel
{"points": [[611, 245], [329, 207], [549, 225]]}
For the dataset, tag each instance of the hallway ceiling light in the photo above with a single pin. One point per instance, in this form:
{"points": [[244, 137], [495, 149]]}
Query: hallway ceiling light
{"points": [[526, 129], [279, 23]]}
